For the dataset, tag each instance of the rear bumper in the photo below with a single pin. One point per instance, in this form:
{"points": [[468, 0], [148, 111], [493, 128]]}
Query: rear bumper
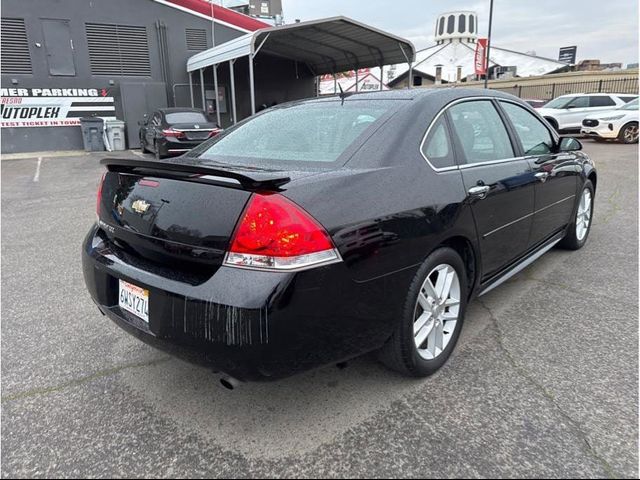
{"points": [[177, 147], [249, 324]]}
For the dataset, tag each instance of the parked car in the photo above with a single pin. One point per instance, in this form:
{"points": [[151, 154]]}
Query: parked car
{"points": [[535, 103], [618, 124], [239, 254], [565, 113], [174, 131]]}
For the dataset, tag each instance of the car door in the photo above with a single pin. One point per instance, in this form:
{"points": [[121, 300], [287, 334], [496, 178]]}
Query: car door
{"points": [[556, 172], [500, 184], [574, 112]]}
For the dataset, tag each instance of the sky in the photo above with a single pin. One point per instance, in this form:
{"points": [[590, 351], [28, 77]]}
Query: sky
{"points": [[602, 30]]}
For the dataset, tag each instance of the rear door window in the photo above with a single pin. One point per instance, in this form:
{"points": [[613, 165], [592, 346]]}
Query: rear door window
{"points": [[601, 101], [437, 146], [481, 132], [534, 136]]}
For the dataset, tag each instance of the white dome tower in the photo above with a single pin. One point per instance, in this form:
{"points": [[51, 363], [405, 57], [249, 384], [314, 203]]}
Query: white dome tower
{"points": [[461, 26]]}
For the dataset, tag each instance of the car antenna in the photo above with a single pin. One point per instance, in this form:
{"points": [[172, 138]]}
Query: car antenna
{"points": [[342, 95]]}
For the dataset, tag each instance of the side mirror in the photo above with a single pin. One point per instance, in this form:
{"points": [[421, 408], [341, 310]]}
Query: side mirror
{"points": [[569, 144]]}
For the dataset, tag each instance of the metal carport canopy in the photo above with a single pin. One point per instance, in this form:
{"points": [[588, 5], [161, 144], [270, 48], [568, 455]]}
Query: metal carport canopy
{"points": [[330, 45]]}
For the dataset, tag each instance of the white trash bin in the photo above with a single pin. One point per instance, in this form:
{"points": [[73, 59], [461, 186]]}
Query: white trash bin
{"points": [[114, 135]]}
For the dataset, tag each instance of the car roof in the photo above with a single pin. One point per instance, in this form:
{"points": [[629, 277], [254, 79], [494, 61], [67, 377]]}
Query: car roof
{"points": [[415, 94], [595, 94]]}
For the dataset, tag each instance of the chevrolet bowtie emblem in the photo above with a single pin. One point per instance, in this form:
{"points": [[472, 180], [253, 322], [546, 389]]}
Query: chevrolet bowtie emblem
{"points": [[140, 206]]}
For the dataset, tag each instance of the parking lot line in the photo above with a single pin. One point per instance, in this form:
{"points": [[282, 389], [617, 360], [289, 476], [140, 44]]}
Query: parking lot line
{"points": [[36, 177]]}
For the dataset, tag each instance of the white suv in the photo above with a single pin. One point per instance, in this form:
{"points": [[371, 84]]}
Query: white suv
{"points": [[566, 113], [620, 124]]}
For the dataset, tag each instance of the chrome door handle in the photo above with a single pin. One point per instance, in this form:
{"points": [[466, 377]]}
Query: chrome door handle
{"points": [[542, 176], [479, 191]]}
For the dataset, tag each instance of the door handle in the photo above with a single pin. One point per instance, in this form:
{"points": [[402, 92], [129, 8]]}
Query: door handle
{"points": [[479, 191], [542, 176]]}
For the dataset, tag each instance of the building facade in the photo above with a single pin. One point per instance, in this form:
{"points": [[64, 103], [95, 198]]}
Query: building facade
{"points": [[64, 59]]}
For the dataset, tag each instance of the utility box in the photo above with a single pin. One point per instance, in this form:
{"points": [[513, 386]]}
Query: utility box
{"points": [[114, 133], [92, 131]]}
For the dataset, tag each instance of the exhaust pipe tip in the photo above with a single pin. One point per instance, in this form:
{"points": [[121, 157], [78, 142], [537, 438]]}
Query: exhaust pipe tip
{"points": [[230, 383]]}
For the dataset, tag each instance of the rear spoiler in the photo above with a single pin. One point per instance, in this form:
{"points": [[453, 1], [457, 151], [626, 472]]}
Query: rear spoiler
{"points": [[248, 178]]}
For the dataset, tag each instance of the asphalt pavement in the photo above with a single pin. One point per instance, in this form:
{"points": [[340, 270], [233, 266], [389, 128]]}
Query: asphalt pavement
{"points": [[543, 383]]}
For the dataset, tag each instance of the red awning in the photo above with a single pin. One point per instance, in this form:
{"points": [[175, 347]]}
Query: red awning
{"points": [[220, 13]]}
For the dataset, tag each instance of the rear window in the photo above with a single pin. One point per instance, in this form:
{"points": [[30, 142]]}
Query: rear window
{"points": [[310, 132], [185, 117]]}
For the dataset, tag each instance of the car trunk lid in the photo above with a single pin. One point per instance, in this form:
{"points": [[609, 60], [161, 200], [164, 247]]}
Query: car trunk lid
{"points": [[178, 214]]}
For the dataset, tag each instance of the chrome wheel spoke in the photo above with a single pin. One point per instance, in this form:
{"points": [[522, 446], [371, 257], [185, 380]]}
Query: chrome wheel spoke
{"points": [[424, 332], [421, 321], [424, 302]]}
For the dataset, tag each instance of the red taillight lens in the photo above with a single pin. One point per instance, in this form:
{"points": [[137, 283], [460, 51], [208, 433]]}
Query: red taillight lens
{"points": [[170, 132], [99, 199], [275, 233], [214, 132]]}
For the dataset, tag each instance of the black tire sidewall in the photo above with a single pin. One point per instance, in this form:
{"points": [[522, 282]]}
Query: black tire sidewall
{"points": [[415, 364]]}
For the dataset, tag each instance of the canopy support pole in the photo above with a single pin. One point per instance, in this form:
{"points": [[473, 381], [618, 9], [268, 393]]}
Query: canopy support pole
{"points": [[251, 86], [335, 84], [202, 88], [191, 87], [356, 79], [215, 87], [381, 76], [410, 63], [233, 91]]}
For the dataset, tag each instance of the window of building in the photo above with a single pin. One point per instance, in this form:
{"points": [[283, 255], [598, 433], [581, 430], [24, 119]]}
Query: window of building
{"points": [[437, 145], [462, 23], [451, 24], [16, 57], [601, 101], [119, 50], [534, 136], [196, 39], [441, 28], [481, 132], [472, 25]]}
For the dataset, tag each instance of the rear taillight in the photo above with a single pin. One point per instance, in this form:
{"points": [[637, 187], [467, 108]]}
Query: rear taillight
{"points": [[214, 132], [170, 132], [99, 197], [276, 234]]}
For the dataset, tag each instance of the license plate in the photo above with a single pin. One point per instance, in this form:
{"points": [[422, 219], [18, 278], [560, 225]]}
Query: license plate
{"points": [[134, 299]]}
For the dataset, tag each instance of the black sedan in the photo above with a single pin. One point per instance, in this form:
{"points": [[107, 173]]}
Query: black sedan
{"points": [[319, 230], [174, 131]]}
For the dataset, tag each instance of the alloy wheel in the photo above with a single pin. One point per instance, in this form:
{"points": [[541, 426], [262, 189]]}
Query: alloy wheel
{"points": [[631, 134], [583, 217], [437, 311]]}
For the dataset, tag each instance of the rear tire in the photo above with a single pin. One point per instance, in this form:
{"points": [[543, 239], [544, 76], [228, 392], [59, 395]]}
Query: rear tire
{"points": [[578, 231], [629, 133], [414, 348]]}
